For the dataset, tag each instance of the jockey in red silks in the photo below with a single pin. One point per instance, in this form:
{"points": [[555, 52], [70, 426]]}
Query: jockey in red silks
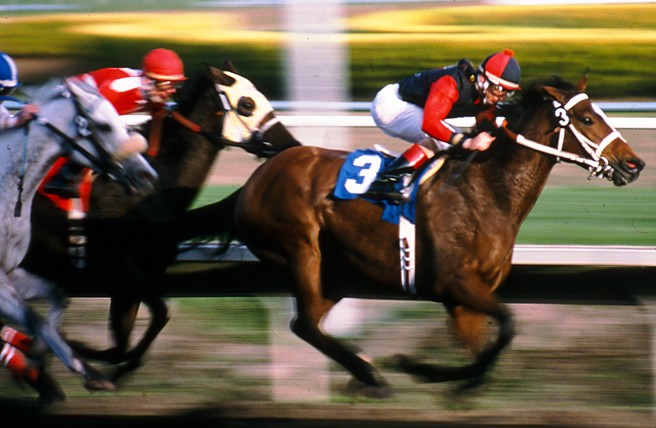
{"points": [[130, 91], [415, 110]]}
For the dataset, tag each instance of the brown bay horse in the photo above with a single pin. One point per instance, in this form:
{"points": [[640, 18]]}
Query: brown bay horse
{"points": [[466, 229], [128, 251]]}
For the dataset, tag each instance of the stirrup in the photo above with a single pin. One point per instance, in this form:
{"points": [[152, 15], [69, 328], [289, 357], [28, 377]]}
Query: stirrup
{"points": [[394, 190]]}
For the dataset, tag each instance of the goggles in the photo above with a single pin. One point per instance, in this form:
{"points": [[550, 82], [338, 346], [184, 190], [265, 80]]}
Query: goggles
{"points": [[499, 91], [165, 85]]}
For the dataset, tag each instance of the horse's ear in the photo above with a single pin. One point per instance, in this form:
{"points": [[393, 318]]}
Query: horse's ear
{"points": [[83, 92], [229, 66], [219, 76], [583, 81], [555, 93]]}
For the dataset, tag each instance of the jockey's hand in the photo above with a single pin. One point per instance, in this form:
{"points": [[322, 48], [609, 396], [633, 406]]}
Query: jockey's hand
{"points": [[480, 142], [27, 113]]}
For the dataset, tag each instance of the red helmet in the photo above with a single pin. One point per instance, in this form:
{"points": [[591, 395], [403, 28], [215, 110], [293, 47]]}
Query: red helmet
{"points": [[163, 64], [501, 68]]}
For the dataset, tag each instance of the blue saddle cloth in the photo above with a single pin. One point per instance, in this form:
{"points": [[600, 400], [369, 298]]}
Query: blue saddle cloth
{"points": [[356, 175]]}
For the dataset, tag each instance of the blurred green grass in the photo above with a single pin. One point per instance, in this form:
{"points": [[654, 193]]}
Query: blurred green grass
{"points": [[576, 215], [615, 41]]}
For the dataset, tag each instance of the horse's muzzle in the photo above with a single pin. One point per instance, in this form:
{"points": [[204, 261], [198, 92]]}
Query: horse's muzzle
{"points": [[627, 171]]}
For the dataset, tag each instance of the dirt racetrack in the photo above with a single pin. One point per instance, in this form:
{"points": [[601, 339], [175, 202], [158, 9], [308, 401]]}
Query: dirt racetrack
{"points": [[570, 365]]}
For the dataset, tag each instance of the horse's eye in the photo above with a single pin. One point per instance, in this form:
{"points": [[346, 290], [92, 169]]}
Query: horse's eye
{"points": [[245, 106], [586, 121]]}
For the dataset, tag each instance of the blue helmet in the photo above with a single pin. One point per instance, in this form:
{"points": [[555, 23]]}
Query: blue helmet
{"points": [[8, 72]]}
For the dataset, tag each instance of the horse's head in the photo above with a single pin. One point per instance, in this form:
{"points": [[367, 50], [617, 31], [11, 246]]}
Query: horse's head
{"points": [[250, 121], [581, 134], [97, 137]]}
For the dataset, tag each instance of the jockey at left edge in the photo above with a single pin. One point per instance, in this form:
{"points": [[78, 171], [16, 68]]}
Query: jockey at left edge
{"points": [[9, 82]]}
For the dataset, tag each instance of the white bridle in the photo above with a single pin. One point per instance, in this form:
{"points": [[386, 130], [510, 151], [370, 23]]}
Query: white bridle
{"points": [[596, 164]]}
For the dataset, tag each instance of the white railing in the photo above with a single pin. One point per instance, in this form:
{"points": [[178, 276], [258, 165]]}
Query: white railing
{"points": [[557, 255]]}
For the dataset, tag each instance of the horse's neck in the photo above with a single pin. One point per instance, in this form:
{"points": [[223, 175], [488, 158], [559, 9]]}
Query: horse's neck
{"points": [[187, 169], [26, 161], [523, 172]]}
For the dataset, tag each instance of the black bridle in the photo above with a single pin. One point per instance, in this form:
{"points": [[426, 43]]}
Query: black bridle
{"points": [[103, 161]]}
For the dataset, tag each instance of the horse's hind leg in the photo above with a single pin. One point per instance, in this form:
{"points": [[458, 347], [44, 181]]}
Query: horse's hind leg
{"points": [[311, 308]]}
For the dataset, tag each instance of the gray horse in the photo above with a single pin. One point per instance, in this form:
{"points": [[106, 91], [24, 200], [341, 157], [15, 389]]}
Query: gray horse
{"points": [[74, 120]]}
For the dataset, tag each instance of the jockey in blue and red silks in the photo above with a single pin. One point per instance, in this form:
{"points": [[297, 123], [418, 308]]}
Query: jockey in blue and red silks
{"points": [[415, 110], [130, 91]]}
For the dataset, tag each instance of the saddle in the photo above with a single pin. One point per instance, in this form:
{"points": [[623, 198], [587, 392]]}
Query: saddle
{"points": [[351, 184]]}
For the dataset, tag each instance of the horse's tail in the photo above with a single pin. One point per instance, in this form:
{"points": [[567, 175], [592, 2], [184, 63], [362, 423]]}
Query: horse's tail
{"points": [[215, 220]]}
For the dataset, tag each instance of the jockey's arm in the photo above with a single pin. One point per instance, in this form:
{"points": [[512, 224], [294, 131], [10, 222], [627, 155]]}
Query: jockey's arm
{"points": [[442, 96]]}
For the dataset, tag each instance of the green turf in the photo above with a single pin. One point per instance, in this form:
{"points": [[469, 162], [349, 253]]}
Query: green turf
{"points": [[569, 215]]}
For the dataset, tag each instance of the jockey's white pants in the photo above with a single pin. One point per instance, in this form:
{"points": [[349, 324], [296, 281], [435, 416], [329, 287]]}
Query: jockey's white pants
{"points": [[398, 118]]}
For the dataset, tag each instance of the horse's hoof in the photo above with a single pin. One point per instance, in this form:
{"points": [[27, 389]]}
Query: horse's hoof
{"points": [[380, 392], [95, 385], [94, 381]]}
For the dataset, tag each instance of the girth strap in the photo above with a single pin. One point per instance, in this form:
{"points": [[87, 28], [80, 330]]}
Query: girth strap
{"points": [[155, 134]]}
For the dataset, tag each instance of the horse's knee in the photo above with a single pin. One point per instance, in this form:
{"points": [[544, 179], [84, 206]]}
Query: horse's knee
{"points": [[159, 312], [471, 328]]}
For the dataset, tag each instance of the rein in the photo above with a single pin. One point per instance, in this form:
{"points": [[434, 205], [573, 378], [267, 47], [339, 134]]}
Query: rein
{"points": [[72, 142], [83, 131], [596, 164]]}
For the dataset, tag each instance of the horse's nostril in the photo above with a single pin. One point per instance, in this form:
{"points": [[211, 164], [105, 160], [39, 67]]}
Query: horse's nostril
{"points": [[635, 165]]}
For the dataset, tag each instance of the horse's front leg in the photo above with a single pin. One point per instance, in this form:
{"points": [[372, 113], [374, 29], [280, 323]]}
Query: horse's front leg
{"points": [[122, 317], [158, 319], [471, 303], [33, 287]]}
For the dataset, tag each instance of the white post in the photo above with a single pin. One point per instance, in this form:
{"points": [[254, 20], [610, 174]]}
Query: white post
{"points": [[317, 75]]}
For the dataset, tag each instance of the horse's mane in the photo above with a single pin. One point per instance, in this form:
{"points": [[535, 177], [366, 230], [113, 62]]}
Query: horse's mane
{"points": [[517, 111], [187, 96], [41, 93]]}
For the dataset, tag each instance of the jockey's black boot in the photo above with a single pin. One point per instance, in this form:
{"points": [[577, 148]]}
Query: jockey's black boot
{"points": [[393, 183], [66, 182]]}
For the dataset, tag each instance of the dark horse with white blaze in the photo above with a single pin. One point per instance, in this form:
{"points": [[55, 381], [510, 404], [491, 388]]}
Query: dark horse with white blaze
{"points": [[466, 229], [127, 251]]}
